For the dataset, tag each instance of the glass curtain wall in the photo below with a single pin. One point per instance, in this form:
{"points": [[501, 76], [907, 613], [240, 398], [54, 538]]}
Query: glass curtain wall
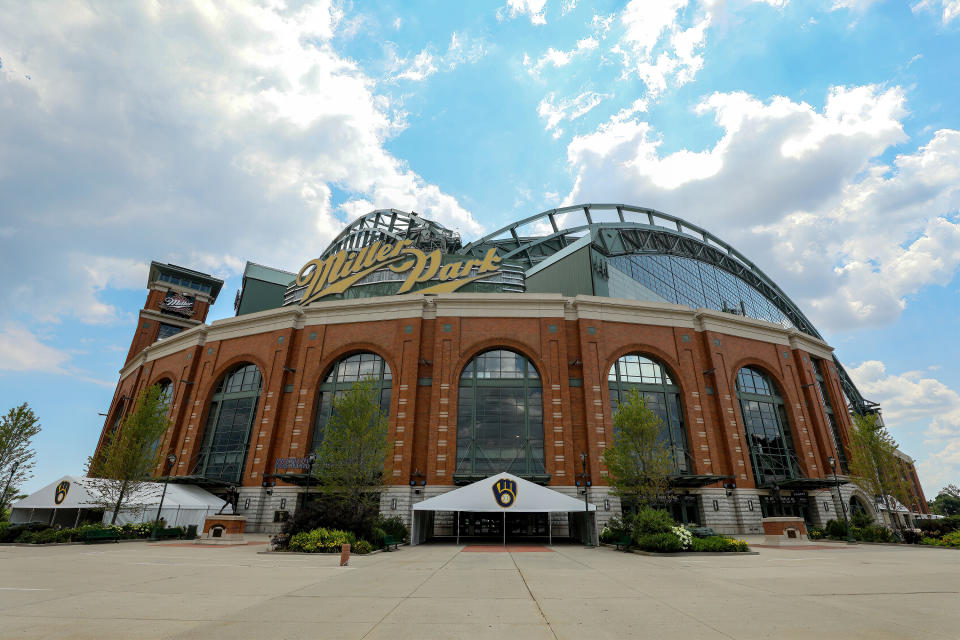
{"points": [[652, 381], [229, 425], [346, 372], [764, 414], [831, 418], [500, 416]]}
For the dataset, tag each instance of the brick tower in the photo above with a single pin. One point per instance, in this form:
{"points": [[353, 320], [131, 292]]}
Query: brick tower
{"points": [[178, 299]]}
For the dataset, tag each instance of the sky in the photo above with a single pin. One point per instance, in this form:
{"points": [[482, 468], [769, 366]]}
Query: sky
{"points": [[820, 138]]}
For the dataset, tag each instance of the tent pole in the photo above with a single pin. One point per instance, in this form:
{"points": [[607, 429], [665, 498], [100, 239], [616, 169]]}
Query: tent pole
{"points": [[76, 522], [550, 529], [504, 528], [458, 527]]}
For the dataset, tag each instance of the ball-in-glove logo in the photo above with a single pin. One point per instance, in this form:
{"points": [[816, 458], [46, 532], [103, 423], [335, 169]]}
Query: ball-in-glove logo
{"points": [[62, 490], [505, 492]]}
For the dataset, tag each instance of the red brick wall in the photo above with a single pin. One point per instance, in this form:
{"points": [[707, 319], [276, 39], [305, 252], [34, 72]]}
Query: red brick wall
{"points": [[423, 418]]}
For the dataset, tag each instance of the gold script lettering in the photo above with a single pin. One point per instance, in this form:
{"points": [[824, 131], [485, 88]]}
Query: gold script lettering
{"points": [[337, 273]]}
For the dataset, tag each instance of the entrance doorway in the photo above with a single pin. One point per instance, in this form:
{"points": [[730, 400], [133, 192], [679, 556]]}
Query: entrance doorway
{"points": [[520, 526]]}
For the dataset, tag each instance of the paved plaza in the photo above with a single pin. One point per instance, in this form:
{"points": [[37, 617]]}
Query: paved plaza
{"points": [[140, 590]]}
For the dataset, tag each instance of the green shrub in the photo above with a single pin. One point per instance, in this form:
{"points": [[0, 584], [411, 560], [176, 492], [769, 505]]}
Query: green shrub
{"points": [[393, 527], [376, 537], [321, 540], [607, 536], [939, 527], [25, 537], [660, 543], [361, 547], [649, 522], [836, 529], [879, 533], [816, 533], [932, 542], [952, 539], [715, 544], [620, 526], [860, 519]]}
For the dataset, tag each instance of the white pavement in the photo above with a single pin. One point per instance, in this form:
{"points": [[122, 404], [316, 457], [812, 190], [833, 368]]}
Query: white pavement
{"points": [[140, 590]]}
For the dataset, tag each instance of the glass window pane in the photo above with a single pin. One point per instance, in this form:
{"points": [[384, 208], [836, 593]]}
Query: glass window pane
{"points": [[499, 411]]}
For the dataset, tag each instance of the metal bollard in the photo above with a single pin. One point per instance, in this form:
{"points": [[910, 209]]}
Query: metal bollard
{"points": [[345, 555]]}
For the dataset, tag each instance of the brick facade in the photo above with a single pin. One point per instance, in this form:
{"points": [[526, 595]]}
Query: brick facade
{"points": [[427, 341]]}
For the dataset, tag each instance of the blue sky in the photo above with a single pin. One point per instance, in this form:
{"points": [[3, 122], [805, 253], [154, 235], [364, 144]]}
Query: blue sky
{"points": [[821, 138]]}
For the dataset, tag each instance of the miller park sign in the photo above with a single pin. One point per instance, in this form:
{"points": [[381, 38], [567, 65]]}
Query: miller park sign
{"points": [[413, 269]]}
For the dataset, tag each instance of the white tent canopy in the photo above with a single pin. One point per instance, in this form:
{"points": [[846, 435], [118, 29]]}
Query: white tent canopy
{"points": [[183, 504], [484, 496]]}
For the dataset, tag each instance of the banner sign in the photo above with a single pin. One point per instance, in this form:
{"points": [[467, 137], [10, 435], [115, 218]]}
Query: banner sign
{"points": [[178, 303], [291, 463], [340, 271]]}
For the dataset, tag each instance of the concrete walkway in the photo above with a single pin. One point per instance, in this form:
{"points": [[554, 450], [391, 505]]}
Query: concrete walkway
{"points": [[140, 590]]}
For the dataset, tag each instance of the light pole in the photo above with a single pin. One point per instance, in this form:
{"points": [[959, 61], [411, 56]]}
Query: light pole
{"points": [[833, 467], [586, 505], [170, 459], [3, 498], [311, 460]]}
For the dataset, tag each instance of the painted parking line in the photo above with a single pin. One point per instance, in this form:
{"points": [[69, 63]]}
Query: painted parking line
{"points": [[20, 589]]}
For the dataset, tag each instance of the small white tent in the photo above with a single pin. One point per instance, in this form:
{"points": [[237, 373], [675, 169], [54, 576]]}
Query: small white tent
{"points": [[497, 494], [65, 501]]}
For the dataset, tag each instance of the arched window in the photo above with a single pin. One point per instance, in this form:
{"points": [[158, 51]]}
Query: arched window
{"points": [[166, 393], [654, 384], [226, 437], [499, 417], [166, 399], [353, 368], [772, 452]]}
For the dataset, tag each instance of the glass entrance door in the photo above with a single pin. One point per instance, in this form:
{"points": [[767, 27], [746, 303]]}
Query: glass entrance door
{"points": [[490, 525]]}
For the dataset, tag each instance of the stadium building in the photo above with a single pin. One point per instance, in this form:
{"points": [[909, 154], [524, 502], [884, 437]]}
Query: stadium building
{"points": [[507, 354]]}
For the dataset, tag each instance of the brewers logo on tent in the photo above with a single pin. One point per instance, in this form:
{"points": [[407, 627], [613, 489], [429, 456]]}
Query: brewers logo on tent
{"points": [[505, 492], [61, 494]]}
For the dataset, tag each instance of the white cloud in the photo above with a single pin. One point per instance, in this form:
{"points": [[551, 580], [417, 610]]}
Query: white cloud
{"points": [[655, 45], [914, 398], [461, 50], [949, 9], [854, 5], [422, 66], [910, 397], [802, 193], [23, 351], [189, 136], [555, 111], [557, 58], [535, 9], [566, 6]]}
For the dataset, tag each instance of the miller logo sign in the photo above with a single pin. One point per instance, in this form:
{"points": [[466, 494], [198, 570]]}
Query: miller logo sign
{"points": [[340, 271], [178, 303], [505, 492]]}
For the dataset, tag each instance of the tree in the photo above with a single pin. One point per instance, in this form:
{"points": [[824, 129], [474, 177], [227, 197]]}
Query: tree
{"points": [[119, 471], [874, 464], [17, 430], [947, 502], [639, 462], [351, 458]]}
